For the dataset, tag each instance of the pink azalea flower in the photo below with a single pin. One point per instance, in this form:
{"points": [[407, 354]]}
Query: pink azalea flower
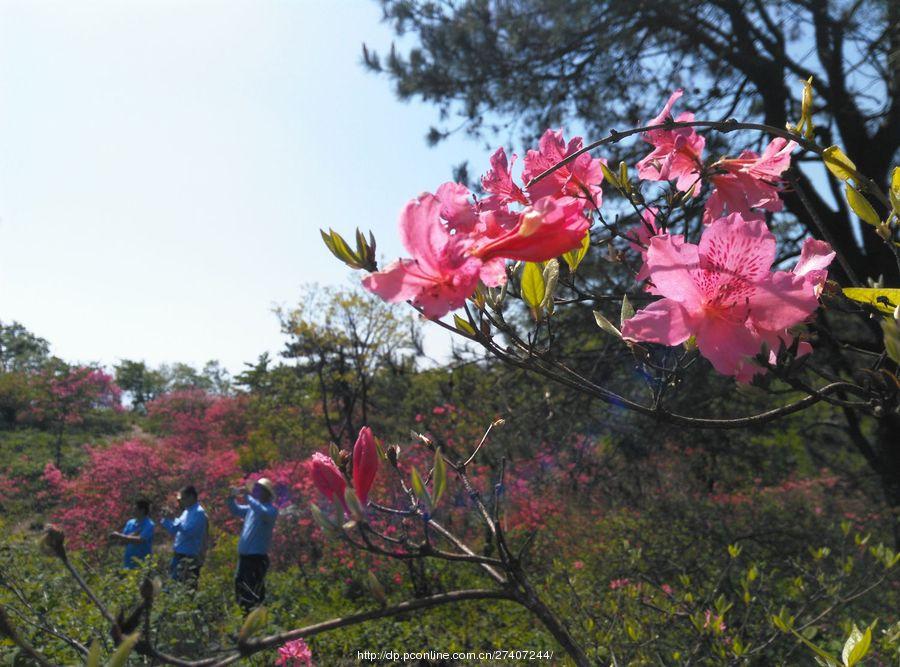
{"points": [[498, 180], [365, 464], [457, 207], [815, 257], [442, 274], [579, 178], [677, 154], [294, 654], [327, 478], [749, 182], [544, 231], [723, 293], [616, 584]]}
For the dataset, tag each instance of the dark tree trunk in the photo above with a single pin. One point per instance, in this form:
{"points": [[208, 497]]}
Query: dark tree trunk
{"points": [[888, 448]]}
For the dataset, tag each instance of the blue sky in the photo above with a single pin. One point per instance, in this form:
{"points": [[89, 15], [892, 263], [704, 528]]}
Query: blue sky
{"points": [[165, 167]]}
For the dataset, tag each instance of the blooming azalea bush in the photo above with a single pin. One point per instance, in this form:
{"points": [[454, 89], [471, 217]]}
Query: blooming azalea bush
{"points": [[720, 293]]}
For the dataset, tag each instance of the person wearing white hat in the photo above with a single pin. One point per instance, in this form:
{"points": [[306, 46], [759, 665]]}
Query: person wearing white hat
{"points": [[259, 516]]}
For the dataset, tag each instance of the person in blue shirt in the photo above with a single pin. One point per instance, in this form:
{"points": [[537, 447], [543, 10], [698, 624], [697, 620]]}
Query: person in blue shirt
{"points": [[259, 516], [190, 533], [137, 535]]}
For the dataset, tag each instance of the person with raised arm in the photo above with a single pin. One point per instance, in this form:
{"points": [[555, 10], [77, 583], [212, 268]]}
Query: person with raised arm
{"points": [[190, 533], [259, 516]]}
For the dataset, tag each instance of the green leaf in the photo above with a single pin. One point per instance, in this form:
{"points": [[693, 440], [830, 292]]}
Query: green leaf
{"points": [[861, 206], [606, 325], [532, 285], [339, 248], [322, 521], [463, 325], [376, 588], [573, 257], [895, 190], [440, 476], [857, 646], [353, 504], [256, 620], [826, 658], [884, 299], [93, 656], [891, 329], [120, 657], [838, 163], [806, 122], [609, 175], [627, 311], [419, 489], [550, 275]]}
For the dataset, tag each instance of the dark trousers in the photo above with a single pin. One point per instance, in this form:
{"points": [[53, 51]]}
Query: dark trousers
{"points": [[185, 569], [250, 580]]}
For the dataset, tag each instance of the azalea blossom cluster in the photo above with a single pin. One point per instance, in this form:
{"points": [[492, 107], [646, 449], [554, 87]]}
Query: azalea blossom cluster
{"points": [[720, 293], [456, 241], [748, 184]]}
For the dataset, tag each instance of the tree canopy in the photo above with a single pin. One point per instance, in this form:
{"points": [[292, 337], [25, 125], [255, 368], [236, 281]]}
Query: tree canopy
{"points": [[524, 65]]}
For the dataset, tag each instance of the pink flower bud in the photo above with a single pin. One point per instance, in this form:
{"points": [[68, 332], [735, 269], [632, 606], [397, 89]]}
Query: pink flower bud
{"points": [[365, 463], [327, 477]]}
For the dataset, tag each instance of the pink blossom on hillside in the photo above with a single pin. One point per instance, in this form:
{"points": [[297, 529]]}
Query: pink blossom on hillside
{"points": [[580, 178], [677, 154], [616, 584], [723, 293], [294, 654], [749, 182]]}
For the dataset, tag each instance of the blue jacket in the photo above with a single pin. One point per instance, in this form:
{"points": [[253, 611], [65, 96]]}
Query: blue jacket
{"points": [[259, 520], [189, 531], [135, 551]]}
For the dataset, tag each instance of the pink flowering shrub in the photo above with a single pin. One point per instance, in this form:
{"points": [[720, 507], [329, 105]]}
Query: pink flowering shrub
{"points": [[294, 654], [68, 394], [197, 445]]}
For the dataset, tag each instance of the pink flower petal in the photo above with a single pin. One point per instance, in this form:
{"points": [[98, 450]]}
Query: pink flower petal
{"points": [[727, 344], [781, 301], [814, 256], [663, 322], [671, 264]]}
